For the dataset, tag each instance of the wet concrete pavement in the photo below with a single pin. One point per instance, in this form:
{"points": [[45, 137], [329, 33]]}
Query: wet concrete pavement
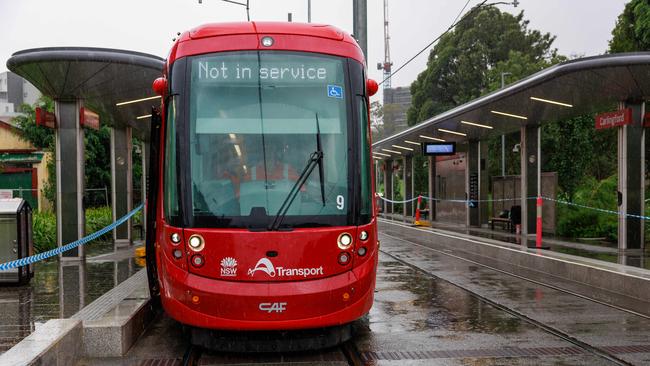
{"points": [[612, 331], [59, 290]]}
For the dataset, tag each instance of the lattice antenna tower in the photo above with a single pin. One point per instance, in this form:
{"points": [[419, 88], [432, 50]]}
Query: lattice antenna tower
{"points": [[387, 64]]}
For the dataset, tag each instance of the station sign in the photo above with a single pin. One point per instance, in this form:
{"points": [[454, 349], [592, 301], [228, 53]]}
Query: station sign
{"points": [[45, 118], [614, 119], [88, 118]]}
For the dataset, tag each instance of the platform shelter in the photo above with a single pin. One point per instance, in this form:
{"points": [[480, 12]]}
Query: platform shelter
{"points": [[90, 86], [573, 88]]}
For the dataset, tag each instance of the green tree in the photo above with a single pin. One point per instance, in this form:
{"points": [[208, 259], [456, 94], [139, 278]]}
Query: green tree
{"points": [[460, 66], [41, 137], [632, 30]]}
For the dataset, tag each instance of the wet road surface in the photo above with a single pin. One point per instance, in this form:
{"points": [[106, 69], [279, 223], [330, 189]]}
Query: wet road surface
{"points": [[434, 309]]}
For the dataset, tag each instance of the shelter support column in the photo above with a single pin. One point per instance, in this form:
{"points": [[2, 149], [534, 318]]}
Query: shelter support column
{"points": [[408, 186], [388, 185], [143, 184], [530, 178], [69, 143], [431, 169], [472, 184], [631, 172], [121, 183]]}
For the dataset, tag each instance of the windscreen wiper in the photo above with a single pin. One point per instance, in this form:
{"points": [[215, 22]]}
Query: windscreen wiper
{"points": [[315, 158], [319, 148]]}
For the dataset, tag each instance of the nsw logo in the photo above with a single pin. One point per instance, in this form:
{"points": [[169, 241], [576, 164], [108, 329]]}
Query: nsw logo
{"points": [[229, 267], [263, 265]]}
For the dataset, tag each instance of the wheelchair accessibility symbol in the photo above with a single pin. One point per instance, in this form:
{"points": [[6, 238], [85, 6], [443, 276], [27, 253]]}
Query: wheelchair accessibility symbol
{"points": [[334, 91]]}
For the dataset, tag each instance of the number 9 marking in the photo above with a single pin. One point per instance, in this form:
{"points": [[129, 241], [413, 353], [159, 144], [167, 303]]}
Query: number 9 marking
{"points": [[340, 202]]}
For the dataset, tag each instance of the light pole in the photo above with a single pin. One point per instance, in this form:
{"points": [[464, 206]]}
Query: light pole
{"points": [[248, 14], [503, 137], [308, 11]]}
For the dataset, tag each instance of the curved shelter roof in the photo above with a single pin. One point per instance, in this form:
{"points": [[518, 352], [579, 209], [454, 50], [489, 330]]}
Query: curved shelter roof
{"points": [[101, 77], [587, 84]]}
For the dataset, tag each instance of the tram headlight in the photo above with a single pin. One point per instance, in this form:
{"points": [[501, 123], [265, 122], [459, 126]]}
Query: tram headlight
{"points": [[362, 251], [196, 243], [177, 253], [363, 236], [175, 238], [344, 241]]}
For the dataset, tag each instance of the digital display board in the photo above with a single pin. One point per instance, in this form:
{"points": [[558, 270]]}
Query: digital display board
{"points": [[438, 148]]}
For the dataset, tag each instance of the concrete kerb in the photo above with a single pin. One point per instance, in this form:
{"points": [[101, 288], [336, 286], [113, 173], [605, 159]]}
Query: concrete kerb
{"points": [[113, 322], [54, 343], [601, 281], [107, 327]]}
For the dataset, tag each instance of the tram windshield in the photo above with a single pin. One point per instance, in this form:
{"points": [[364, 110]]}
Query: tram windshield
{"points": [[255, 119]]}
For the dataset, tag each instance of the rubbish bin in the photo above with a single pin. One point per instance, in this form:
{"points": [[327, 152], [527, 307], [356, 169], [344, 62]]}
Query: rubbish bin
{"points": [[16, 239]]}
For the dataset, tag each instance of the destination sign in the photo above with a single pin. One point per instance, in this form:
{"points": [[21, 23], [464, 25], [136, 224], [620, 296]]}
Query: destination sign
{"points": [[273, 68]]}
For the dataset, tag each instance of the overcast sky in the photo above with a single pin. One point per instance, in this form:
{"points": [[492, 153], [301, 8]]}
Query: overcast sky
{"points": [[582, 27]]}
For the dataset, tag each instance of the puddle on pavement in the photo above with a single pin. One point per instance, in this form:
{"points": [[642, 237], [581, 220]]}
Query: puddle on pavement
{"points": [[58, 290], [411, 301]]}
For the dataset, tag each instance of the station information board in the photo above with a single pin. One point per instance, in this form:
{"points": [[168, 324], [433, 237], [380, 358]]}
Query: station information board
{"points": [[438, 148]]}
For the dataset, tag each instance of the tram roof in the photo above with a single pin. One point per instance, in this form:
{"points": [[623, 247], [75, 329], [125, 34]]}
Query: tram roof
{"points": [[101, 77], [586, 84]]}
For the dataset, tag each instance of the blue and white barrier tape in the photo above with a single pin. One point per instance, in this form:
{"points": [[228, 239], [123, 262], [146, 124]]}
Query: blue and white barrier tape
{"points": [[597, 209], [50, 253], [453, 200], [612, 212]]}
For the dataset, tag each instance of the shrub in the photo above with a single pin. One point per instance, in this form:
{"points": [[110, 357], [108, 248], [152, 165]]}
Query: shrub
{"points": [[44, 224], [582, 222]]}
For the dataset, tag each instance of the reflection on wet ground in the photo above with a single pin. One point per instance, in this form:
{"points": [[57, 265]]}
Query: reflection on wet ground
{"points": [[594, 249], [59, 290], [418, 319], [454, 314]]}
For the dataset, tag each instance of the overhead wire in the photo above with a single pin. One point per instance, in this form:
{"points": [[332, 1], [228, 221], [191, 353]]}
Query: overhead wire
{"points": [[452, 26]]}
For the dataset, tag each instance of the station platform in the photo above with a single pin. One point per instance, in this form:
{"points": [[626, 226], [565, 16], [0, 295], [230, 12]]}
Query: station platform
{"points": [[437, 304], [595, 248]]}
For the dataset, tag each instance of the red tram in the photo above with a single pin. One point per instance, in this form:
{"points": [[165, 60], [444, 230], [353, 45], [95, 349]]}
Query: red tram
{"points": [[262, 217]]}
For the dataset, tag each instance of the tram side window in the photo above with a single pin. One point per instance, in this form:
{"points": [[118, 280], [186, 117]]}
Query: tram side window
{"points": [[171, 182], [366, 206]]}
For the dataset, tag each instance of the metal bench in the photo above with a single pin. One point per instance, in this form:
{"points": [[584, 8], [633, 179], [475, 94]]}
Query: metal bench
{"points": [[505, 222]]}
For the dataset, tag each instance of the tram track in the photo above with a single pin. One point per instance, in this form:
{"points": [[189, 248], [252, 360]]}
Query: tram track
{"points": [[193, 356], [555, 332]]}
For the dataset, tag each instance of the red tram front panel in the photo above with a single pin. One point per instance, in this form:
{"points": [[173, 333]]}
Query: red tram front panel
{"points": [[243, 279]]}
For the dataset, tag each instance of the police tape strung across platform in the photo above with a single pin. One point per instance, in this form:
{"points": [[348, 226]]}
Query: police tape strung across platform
{"points": [[452, 200], [50, 253], [612, 212]]}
